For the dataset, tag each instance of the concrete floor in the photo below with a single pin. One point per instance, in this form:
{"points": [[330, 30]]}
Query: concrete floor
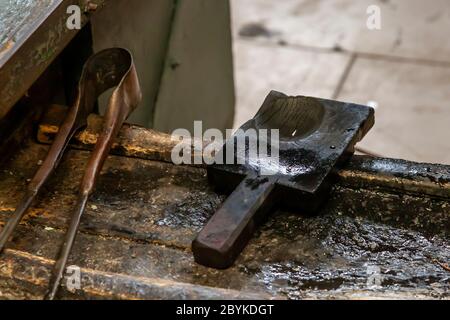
{"points": [[323, 48]]}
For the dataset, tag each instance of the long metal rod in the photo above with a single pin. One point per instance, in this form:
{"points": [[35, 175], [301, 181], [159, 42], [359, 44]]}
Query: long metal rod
{"points": [[123, 101], [58, 269], [76, 119], [50, 163], [15, 219]]}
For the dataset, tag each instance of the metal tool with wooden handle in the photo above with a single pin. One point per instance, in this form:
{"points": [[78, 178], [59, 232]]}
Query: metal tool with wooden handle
{"points": [[315, 136]]}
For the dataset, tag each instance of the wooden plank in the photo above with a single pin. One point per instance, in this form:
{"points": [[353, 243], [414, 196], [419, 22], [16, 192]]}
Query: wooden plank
{"points": [[35, 271], [33, 42], [17, 19]]}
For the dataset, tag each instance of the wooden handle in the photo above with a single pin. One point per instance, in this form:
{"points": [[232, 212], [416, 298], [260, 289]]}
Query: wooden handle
{"points": [[229, 230]]}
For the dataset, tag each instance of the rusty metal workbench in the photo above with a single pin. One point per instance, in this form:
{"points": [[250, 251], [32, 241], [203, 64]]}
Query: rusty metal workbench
{"points": [[388, 219]]}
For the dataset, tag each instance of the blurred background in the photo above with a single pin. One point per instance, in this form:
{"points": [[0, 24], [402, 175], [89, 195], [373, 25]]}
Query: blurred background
{"points": [[324, 48]]}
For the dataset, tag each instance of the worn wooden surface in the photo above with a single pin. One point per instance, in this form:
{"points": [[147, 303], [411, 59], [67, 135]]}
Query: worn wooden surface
{"points": [[134, 241], [15, 17], [32, 34]]}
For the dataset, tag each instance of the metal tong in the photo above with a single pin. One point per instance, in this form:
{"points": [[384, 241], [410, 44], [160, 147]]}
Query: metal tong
{"points": [[104, 70]]}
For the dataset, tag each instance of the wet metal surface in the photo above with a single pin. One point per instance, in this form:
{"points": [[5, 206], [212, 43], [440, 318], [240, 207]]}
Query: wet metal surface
{"points": [[142, 218], [396, 168], [335, 254]]}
